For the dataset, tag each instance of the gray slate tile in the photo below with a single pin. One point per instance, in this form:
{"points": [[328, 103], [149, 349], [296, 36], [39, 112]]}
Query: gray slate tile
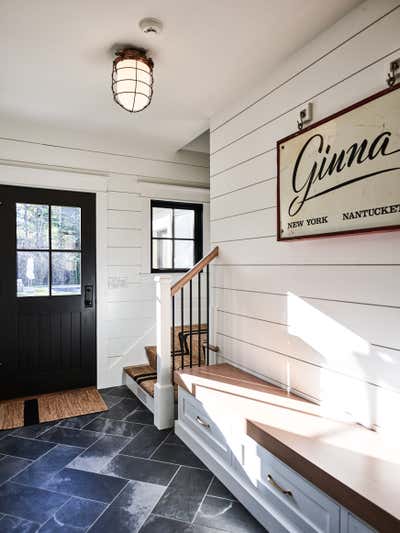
{"points": [[25, 448], [30, 503], [219, 490], [180, 455], [184, 494], [140, 470], [114, 427], [160, 524], [130, 509], [121, 409], [146, 442], [12, 524], [70, 437], [85, 485], [78, 422], [31, 432], [122, 391], [227, 515], [38, 473], [10, 466], [141, 416], [75, 515], [95, 458]]}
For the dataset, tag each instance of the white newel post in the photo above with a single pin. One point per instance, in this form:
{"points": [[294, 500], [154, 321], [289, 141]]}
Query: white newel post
{"points": [[164, 389]]}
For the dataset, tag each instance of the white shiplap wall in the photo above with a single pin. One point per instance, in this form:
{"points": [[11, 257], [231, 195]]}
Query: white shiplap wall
{"points": [[131, 306], [319, 316], [125, 289]]}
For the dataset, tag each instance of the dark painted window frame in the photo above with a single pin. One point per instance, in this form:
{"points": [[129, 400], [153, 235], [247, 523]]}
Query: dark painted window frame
{"points": [[198, 233]]}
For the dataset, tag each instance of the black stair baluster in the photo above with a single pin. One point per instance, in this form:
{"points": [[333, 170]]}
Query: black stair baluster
{"points": [[208, 315], [173, 333], [199, 317], [182, 337], [191, 320]]}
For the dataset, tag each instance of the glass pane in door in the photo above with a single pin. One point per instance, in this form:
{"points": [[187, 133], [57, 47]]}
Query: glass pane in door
{"points": [[65, 227], [32, 226], [65, 273], [32, 274]]}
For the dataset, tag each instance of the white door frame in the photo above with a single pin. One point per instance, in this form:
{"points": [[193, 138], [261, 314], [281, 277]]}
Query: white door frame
{"points": [[25, 176]]}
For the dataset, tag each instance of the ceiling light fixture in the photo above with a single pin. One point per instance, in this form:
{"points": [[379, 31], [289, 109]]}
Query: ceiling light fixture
{"points": [[132, 79]]}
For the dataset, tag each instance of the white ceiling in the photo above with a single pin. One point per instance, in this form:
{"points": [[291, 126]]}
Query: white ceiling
{"points": [[56, 64]]}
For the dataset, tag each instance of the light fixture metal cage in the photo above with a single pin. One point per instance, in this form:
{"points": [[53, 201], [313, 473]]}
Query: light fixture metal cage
{"points": [[132, 79]]}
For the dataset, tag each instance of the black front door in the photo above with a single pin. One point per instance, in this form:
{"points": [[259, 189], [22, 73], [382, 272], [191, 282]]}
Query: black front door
{"points": [[47, 291]]}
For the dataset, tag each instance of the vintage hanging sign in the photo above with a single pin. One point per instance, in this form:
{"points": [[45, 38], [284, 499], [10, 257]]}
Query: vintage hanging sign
{"points": [[342, 175]]}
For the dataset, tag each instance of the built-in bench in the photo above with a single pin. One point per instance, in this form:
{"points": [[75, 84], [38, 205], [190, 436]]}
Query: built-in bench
{"points": [[293, 468]]}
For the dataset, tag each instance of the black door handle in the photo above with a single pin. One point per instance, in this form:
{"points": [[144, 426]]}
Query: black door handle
{"points": [[88, 295]]}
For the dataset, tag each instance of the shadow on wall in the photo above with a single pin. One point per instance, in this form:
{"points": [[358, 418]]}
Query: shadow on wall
{"points": [[347, 368]]}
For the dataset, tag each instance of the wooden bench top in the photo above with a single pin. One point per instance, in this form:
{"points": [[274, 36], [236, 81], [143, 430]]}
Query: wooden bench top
{"points": [[357, 467]]}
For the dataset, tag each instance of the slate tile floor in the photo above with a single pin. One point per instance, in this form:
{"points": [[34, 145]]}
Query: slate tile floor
{"points": [[111, 472]]}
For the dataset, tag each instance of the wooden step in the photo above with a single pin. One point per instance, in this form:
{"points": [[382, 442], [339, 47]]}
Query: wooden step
{"points": [[149, 384], [138, 371]]}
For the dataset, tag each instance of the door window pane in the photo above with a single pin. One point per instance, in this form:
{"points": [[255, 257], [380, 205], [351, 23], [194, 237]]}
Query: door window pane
{"points": [[184, 223], [65, 227], [32, 226], [32, 274], [162, 222], [184, 254], [162, 253], [65, 273]]}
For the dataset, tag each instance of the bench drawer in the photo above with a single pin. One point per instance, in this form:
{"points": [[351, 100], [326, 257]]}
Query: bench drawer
{"points": [[305, 506], [214, 431]]}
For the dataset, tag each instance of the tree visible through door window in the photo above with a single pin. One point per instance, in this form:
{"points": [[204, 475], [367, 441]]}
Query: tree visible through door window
{"points": [[176, 236], [48, 250]]}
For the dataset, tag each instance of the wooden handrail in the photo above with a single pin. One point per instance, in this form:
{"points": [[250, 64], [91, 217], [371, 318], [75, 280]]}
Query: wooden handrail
{"points": [[198, 267]]}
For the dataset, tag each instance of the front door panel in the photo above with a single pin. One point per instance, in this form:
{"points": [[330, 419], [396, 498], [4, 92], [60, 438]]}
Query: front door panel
{"points": [[47, 269]]}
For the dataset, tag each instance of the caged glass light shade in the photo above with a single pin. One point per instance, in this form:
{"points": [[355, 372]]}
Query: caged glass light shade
{"points": [[132, 80]]}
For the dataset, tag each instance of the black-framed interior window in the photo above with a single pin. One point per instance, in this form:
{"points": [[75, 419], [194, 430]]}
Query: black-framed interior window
{"points": [[176, 235]]}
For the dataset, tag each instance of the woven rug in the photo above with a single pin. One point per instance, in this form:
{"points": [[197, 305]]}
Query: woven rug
{"points": [[50, 407]]}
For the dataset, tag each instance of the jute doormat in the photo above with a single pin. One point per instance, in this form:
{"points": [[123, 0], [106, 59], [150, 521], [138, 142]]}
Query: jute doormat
{"points": [[50, 407]]}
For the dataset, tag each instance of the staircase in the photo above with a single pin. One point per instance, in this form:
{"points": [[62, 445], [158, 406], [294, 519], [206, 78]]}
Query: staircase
{"points": [[146, 375], [182, 345]]}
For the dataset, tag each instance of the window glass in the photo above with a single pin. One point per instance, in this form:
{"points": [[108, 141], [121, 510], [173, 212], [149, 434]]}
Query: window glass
{"points": [[184, 223], [162, 254], [32, 274], [184, 256], [65, 273], [65, 227], [32, 226], [177, 237], [162, 222]]}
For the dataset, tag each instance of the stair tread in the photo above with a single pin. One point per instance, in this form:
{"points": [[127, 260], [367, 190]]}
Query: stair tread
{"points": [[139, 370]]}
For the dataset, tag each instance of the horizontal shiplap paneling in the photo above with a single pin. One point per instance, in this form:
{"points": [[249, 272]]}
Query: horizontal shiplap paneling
{"points": [[124, 237], [121, 201], [378, 324], [352, 250], [361, 18], [317, 315], [362, 284], [324, 342], [125, 219], [341, 63], [260, 196]]}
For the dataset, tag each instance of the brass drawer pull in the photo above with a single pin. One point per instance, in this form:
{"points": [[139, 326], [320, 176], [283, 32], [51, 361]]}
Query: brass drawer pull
{"points": [[277, 486], [202, 423]]}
